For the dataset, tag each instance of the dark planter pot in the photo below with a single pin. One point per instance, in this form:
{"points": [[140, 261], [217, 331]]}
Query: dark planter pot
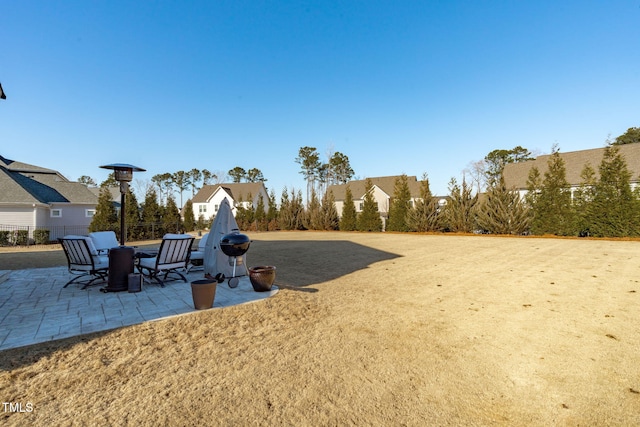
{"points": [[203, 292], [262, 277]]}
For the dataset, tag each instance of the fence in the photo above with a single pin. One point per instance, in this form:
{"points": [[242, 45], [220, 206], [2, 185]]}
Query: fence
{"points": [[17, 235]]}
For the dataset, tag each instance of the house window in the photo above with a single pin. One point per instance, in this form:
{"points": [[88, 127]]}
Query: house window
{"points": [[202, 208], [56, 213], [361, 206], [215, 209], [89, 213]]}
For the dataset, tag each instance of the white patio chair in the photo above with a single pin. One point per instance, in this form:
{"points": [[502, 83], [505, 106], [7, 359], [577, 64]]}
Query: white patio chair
{"points": [[198, 256], [104, 241], [173, 255], [84, 260]]}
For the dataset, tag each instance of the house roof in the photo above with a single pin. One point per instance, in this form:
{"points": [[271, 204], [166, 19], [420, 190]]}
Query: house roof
{"points": [[384, 183], [21, 183], [237, 191], [517, 174], [116, 196]]}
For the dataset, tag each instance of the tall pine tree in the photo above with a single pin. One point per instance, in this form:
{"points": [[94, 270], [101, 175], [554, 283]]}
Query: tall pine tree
{"points": [[425, 215], [615, 207], [400, 205], [502, 211], [460, 209], [348, 220], [189, 218], [328, 212], [171, 221], [369, 219], [106, 217], [132, 217], [552, 213]]}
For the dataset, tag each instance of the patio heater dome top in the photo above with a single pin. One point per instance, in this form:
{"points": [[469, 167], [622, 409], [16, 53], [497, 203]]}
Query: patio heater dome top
{"points": [[123, 171]]}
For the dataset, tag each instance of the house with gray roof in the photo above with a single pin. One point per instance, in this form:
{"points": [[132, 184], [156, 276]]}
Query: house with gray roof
{"points": [[517, 174], [383, 189], [207, 200], [33, 197]]}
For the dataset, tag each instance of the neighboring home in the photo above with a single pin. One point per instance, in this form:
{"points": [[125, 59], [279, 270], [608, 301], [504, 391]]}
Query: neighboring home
{"points": [[517, 174], [33, 197], [383, 189], [116, 196], [207, 201]]}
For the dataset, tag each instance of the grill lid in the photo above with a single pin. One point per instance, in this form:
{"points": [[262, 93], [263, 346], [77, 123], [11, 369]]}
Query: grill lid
{"points": [[235, 244]]}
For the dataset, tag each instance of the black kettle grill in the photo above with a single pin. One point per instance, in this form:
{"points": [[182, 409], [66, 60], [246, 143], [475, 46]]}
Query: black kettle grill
{"points": [[235, 245]]}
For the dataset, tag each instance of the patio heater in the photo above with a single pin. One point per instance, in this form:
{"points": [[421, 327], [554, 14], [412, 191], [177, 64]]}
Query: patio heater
{"points": [[121, 258], [123, 174]]}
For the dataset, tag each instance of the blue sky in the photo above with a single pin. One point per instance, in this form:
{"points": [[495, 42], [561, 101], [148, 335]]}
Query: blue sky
{"points": [[398, 86]]}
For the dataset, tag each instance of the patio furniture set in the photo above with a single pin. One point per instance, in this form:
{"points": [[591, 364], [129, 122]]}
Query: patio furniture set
{"points": [[98, 257]]}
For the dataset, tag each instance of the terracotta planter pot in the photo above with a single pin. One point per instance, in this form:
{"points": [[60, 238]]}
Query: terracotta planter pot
{"points": [[262, 277], [203, 292]]}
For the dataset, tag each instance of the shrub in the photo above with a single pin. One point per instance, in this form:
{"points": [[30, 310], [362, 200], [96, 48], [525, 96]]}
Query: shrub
{"points": [[41, 236]]}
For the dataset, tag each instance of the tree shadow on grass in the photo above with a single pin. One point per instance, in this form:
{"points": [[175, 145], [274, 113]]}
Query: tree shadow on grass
{"points": [[301, 263]]}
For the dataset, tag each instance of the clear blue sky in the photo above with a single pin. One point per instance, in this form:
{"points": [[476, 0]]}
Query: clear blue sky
{"points": [[398, 86]]}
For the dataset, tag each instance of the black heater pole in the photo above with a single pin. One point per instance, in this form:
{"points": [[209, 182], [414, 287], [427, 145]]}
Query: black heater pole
{"points": [[123, 231], [123, 173]]}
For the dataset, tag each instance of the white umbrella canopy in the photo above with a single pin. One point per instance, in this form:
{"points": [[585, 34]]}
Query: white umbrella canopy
{"points": [[216, 261]]}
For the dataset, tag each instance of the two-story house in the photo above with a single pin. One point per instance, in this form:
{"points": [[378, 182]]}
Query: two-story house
{"points": [[383, 189], [207, 200]]}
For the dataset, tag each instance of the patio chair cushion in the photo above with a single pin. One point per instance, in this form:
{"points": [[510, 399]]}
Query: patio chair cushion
{"points": [[176, 236], [104, 240], [199, 254]]}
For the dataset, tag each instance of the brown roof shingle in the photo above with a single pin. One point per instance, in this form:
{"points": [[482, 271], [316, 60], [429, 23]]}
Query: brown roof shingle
{"points": [[517, 174], [385, 183]]}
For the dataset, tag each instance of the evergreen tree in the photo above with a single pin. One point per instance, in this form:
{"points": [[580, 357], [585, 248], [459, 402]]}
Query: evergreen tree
{"points": [[348, 220], [425, 215], [291, 215], [329, 213], [631, 136], [272, 212], [369, 219], [151, 215], [502, 211], [313, 219], [106, 217], [189, 218], [132, 216], [552, 213], [245, 216], [534, 184], [615, 207], [460, 209], [201, 223], [260, 216], [171, 222], [582, 203], [400, 205]]}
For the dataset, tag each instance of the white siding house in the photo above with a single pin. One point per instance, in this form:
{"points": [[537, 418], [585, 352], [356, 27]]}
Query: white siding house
{"points": [[32, 197], [207, 201]]}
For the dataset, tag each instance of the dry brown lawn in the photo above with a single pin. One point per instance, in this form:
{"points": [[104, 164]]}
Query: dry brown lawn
{"points": [[369, 329]]}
